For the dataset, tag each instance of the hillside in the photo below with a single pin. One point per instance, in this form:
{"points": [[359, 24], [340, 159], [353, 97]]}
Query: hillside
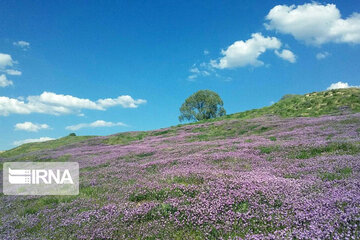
{"points": [[310, 105], [287, 171], [331, 102]]}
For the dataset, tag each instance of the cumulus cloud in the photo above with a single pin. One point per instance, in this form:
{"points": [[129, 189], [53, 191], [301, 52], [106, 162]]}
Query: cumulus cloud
{"points": [[22, 44], [4, 82], [206, 52], [67, 101], [31, 140], [59, 104], [6, 60], [30, 127], [322, 55], [339, 85], [287, 55], [314, 23], [243, 53], [96, 124], [13, 72]]}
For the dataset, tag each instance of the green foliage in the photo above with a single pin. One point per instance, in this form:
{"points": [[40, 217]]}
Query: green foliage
{"points": [[203, 104], [72, 135]]}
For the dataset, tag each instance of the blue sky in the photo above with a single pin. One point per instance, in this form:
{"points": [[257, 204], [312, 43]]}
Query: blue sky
{"points": [[102, 67]]}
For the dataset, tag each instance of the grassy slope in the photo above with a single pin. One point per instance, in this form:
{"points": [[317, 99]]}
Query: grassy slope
{"points": [[32, 147], [308, 105]]}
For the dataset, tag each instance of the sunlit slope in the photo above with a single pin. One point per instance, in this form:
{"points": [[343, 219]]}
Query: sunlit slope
{"points": [[310, 105]]}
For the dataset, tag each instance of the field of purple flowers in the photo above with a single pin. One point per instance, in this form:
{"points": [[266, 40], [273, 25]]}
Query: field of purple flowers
{"points": [[262, 178]]}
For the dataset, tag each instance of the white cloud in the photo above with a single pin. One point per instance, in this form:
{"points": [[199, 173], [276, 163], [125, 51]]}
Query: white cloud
{"points": [[339, 85], [196, 72], [206, 52], [96, 124], [314, 23], [322, 55], [22, 44], [286, 55], [241, 53], [31, 140], [30, 127], [125, 101], [59, 104], [6, 60], [13, 72], [67, 101], [4, 82]]}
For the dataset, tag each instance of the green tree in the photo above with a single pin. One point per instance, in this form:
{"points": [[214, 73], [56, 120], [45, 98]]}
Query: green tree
{"points": [[203, 104]]}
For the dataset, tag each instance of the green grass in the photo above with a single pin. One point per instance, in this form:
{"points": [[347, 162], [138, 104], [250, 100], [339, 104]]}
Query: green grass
{"points": [[164, 132], [338, 175], [272, 139], [92, 168], [227, 130], [92, 192], [340, 148], [129, 137], [309, 105], [126, 138], [32, 147], [187, 180], [268, 149], [241, 207], [160, 194], [32, 206]]}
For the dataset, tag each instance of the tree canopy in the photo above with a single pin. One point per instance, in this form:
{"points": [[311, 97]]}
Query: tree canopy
{"points": [[204, 104]]}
